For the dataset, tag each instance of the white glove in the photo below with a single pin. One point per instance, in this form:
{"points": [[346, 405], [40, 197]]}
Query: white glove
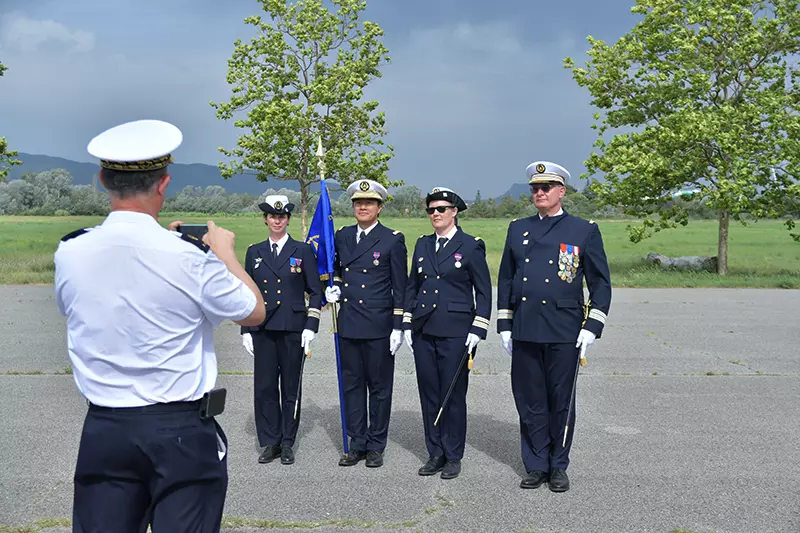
{"points": [[395, 341], [407, 334], [505, 339], [585, 338], [472, 341], [247, 342], [305, 340], [332, 294]]}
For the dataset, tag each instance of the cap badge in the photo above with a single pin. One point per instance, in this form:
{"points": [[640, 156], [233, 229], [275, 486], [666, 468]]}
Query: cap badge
{"points": [[364, 186], [540, 168], [278, 205]]}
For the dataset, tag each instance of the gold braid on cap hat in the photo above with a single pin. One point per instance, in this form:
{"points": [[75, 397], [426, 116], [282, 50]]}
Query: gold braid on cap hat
{"points": [[140, 166]]}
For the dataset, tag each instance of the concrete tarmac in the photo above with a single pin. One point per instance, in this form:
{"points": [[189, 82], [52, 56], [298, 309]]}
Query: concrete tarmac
{"points": [[687, 421]]}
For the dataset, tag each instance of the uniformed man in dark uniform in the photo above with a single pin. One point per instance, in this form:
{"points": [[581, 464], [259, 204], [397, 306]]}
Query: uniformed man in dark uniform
{"points": [[544, 322], [369, 280], [285, 271], [442, 320]]}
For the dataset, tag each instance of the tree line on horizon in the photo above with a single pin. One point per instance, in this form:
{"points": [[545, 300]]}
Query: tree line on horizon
{"points": [[53, 193]]}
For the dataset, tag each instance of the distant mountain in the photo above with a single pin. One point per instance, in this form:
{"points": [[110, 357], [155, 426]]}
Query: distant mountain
{"points": [[515, 190], [194, 174]]}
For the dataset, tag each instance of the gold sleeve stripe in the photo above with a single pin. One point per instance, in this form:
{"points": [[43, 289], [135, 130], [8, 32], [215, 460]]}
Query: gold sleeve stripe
{"points": [[482, 320], [398, 312], [406, 318], [313, 312], [505, 314], [477, 324], [598, 315], [337, 278]]}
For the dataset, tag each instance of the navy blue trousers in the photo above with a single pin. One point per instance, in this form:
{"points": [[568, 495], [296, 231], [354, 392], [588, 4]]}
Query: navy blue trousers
{"points": [[278, 355], [156, 466], [367, 369], [541, 380], [437, 361]]}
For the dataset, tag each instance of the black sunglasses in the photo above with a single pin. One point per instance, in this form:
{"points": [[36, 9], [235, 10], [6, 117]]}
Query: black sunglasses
{"points": [[544, 187], [441, 209]]}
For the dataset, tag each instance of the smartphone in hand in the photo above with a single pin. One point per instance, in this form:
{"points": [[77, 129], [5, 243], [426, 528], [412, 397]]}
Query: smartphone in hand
{"points": [[196, 230]]}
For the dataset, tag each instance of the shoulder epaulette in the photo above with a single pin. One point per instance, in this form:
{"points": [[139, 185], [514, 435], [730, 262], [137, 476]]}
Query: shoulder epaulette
{"points": [[515, 220], [340, 229], [252, 244], [73, 234], [191, 239], [477, 238], [395, 232], [591, 222]]}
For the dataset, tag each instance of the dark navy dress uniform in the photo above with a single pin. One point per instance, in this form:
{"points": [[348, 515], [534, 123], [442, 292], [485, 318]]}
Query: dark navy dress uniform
{"points": [[441, 310], [284, 283], [541, 301], [372, 278]]}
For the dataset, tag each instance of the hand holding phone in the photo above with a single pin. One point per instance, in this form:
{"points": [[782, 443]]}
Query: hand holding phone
{"points": [[196, 230], [220, 240]]}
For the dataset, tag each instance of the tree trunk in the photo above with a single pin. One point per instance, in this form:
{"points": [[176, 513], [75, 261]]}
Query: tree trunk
{"points": [[722, 244]]}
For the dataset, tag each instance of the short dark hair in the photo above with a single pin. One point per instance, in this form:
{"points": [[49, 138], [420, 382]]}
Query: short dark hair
{"points": [[125, 184], [288, 215]]}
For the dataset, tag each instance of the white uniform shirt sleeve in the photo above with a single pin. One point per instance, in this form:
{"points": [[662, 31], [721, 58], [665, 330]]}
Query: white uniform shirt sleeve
{"points": [[223, 295]]}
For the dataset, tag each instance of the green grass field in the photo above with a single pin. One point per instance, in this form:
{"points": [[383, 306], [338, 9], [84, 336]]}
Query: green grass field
{"points": [[760, 255]]}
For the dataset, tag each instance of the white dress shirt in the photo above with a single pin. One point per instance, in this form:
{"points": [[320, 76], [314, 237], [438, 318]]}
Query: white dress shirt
{"points": [[449, 235], [560, 212], [280, 243], [141, 305], [366, 231]]}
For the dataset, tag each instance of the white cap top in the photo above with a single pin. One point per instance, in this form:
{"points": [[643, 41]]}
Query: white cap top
{"points": [[141, 145], [366, 189], [545, 171]]}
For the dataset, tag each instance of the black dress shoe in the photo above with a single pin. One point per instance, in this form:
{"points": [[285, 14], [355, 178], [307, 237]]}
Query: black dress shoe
{"points": [[559, 482], [287, 455], [533, 480], [269, 454], [451, 469], [433, 465], [352, 457], [374, 459]]}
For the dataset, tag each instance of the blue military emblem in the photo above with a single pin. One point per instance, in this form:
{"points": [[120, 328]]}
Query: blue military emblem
{"points": [[568, 262]]}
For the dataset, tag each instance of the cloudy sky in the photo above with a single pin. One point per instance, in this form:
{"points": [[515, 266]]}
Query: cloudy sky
{"points": [[474, 92]]}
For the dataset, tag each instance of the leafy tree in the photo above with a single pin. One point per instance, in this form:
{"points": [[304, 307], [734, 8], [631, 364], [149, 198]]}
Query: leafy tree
{"points": [[709, 94], [407, 201], [302, 77], [6, 156]]}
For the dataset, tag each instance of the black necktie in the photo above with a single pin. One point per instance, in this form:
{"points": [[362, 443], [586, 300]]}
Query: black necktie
{"points": [[442, 241], [274, 252], [362, 236]]}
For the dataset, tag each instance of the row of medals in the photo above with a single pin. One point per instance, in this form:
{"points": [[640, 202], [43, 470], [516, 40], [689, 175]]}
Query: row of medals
{"points": [[568, 266]]}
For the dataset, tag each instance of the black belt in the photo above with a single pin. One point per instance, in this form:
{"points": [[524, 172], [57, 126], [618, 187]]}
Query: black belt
{"points": [[153, 408]]}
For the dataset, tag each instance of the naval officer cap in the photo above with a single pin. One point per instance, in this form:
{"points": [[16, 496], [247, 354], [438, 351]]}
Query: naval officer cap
{"points": [[546, 172], [276, 204], [443, 193], [366, 189], [138, 146]]}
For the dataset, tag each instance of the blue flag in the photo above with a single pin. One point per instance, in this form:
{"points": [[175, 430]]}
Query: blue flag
{"points": [[320, 235]]}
